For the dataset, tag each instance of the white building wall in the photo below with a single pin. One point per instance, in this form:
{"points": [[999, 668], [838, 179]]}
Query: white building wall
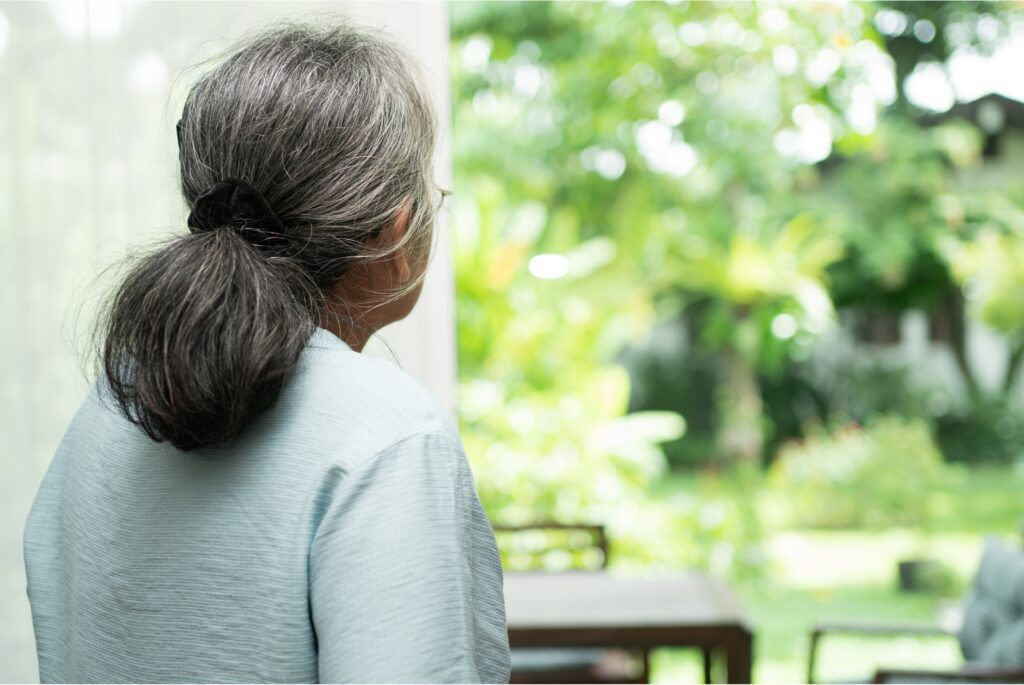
{"points": [[930, 366]]}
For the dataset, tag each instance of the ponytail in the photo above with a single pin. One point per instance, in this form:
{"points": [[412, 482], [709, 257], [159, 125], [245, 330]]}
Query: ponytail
{"points": [[202, 334]]}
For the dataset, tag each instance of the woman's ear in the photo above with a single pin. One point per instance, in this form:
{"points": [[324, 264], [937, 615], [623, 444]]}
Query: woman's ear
{"points": [[397, 264], [404, 271]]}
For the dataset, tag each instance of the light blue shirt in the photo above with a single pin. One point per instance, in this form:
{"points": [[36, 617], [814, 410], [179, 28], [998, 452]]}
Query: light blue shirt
{"points": [[341, 539]]}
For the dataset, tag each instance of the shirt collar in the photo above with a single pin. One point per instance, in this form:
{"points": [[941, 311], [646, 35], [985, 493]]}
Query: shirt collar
{"points": [[324, 338]]}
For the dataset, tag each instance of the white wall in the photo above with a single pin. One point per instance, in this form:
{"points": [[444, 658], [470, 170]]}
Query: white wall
{"points": [[89, 93]]}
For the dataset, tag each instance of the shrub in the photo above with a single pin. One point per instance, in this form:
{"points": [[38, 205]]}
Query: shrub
{"points": [[986, 431], [882, 474]]}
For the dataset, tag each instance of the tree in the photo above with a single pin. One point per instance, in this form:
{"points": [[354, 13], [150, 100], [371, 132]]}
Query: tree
{"points": [[663, 146]]}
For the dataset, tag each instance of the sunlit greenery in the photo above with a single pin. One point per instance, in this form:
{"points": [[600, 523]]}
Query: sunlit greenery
{"points": [[882, 475], [705, 211]]}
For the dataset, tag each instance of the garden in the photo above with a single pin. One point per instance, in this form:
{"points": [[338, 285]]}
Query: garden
{"points": [[740, 283]]}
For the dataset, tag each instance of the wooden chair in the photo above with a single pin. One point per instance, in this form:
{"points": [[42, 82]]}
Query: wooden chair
{"points": [[535, 548], [991, 634]]}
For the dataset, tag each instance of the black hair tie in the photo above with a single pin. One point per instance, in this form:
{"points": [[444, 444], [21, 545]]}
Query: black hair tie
{"points": [[235, 204]]}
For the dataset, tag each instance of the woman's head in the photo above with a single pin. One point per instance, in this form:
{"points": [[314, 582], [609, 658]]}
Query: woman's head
{"points": [[306, 160]]}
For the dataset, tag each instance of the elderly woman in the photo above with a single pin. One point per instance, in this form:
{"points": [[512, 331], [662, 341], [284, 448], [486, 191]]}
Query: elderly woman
{"points": [[244, 496]]}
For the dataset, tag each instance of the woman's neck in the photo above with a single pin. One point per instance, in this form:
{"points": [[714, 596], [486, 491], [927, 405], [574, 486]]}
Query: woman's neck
{"points": [[354, 337]]}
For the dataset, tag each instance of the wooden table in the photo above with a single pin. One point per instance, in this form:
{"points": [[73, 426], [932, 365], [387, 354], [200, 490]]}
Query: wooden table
{"points": [[599, 609]]}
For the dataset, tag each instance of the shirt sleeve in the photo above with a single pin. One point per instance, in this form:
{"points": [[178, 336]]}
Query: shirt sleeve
{"points": [[405, 576]]}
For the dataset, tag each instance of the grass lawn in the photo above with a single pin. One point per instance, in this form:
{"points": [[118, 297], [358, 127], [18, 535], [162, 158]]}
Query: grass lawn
{"points": [[815, 576]]}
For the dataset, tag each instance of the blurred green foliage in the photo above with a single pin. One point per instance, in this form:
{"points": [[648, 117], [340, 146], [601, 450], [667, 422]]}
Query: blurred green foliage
{"points": [[880, 475], [645, 136], [993, 264], [892, 196], [988, 430], [743, 173]]}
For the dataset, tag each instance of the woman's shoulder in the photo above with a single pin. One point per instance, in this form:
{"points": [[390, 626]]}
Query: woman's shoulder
{"points": [[362, 399]]}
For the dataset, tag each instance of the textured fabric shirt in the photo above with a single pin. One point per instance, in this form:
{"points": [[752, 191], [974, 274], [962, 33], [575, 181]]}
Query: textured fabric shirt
{"points": [[340, 539]]}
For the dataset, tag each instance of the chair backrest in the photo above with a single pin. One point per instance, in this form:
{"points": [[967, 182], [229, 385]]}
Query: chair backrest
{"points": [[553, 546], [993, 624]]}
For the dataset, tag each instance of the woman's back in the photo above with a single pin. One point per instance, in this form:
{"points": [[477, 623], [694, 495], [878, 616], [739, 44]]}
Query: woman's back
{"points": [[340, 538]]}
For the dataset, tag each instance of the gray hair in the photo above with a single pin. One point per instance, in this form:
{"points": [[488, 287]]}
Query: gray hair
{"points": [[335, 129], [333, 126]]}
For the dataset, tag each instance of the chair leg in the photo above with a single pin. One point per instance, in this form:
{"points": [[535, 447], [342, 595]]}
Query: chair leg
{"points": [[707, 665]]}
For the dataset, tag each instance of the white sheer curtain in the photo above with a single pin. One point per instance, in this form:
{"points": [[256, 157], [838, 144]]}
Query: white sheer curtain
{"points": [[89, 93]]}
